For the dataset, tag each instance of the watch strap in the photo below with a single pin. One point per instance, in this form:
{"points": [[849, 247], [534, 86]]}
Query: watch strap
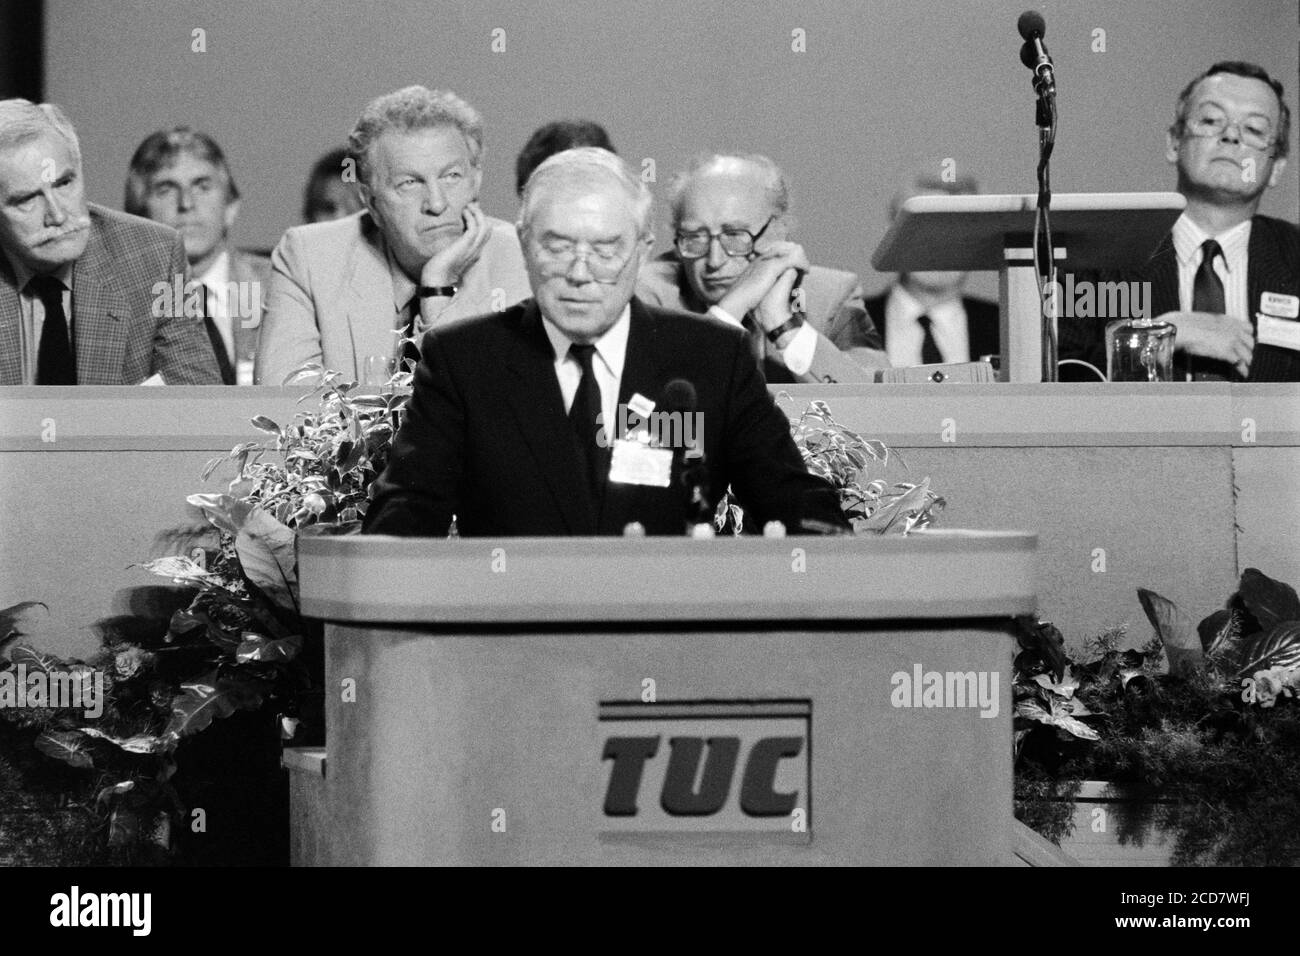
{"points": [[791, 324]]}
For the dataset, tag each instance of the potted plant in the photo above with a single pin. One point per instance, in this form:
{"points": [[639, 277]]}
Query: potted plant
{"points": [[1199, 729]]}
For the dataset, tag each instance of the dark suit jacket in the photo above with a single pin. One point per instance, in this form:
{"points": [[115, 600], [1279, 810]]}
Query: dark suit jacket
{"points": [[982, 328], [1273, 265], [118, 338], [486, 437]]}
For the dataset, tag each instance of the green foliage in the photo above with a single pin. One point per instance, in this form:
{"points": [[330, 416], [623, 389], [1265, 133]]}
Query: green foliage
{"points": [[327, 456], [855, 467], [1215, 731]]}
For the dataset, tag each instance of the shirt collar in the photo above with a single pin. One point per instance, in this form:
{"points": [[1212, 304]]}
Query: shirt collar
{"points": [[218, 274], [1189, 237], [905, 305], [403, 288], [611, 347], [24, 275]]}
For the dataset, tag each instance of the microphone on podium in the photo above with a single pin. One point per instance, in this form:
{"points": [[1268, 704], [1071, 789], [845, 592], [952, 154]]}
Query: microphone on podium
{"points": [[692, 470]]}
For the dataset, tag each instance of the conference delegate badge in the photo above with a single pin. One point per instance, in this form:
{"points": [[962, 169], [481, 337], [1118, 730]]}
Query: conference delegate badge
{"points": [[1283, 333], [641, 405], [1282, 306], [635, 463]]}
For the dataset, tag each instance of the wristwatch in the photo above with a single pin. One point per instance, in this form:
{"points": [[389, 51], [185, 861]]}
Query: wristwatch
{"points": [[792, 324], [442, 291]]}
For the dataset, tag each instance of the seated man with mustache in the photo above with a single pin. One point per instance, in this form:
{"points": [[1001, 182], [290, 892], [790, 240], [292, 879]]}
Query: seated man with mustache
{"points": [[79, 283]]}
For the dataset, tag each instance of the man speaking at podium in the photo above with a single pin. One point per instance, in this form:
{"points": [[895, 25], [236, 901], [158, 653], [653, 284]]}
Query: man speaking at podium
{"points": [[514, 424]]}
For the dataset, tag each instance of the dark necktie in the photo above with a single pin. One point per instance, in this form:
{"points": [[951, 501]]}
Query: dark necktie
{"points": [[411, 350], [1207, 289], [582, 418], [930, 354], [1207, 296], [214, 336], [56, 363]]}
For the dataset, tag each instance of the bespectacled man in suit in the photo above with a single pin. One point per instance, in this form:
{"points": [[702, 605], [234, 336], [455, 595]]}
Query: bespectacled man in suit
{"points": [[180, 177], [733, 259], [1227, 278], [504, 427], [79, 283]]}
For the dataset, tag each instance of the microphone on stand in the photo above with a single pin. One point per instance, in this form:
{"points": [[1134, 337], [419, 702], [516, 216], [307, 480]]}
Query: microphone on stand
{"points": [[688, 461], [1034, 55]]}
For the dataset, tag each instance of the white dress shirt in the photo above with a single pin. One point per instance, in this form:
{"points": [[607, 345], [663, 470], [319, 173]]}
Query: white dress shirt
{"points": [[904, 335], [1229, 267], [607, 363], [217, 281]]}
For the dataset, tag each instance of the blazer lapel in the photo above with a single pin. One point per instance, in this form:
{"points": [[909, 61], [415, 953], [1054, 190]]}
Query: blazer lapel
{"points": [[11, 365], [1162, 273], [99, 314], [534, 396], [370, 307], [247, 290], [1266, 271]]}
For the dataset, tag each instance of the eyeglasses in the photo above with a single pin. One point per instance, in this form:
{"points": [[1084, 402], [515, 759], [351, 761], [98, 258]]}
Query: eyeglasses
{"points": [[734, 242], [1255, 132], [605, 265]]}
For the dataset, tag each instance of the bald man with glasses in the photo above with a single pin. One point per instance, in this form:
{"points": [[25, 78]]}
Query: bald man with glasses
{"points": [[732, 258]]}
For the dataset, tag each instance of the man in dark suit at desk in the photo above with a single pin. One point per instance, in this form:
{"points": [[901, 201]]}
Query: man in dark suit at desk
{"points": [[923, 318], [1226, 278], [508, 426], [84, 291]]}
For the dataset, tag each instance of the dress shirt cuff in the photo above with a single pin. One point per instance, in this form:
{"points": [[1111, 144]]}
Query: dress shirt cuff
{"points": [[718, 312], [798, 355]]}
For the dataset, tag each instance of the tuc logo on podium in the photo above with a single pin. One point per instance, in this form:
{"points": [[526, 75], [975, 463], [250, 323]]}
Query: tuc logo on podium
{"points": [[715, 767]]}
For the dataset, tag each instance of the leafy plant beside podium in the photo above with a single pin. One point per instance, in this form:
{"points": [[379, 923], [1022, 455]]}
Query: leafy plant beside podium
{"points": [[1203, 720]]}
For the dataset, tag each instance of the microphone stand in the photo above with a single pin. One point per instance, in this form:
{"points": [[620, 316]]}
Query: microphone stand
{"points": [[1044, 253]]}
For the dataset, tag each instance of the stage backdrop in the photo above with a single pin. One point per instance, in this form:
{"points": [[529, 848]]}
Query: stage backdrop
{"points": [[850, 97]]}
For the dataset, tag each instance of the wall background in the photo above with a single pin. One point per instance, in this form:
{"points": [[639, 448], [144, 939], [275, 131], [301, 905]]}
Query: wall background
{"points": [[885, 87]]}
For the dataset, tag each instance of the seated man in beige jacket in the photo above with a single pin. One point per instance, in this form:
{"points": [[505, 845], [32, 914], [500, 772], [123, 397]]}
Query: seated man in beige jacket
{"points": [[344, 293], [732, 258]]}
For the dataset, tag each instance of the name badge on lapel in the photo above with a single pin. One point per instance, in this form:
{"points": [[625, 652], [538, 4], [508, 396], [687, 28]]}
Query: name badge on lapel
{"points": [[1279, 305], [636, 463]]}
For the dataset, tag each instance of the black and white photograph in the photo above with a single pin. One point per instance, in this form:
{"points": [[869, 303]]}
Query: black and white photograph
{"points": [[701, 433]]}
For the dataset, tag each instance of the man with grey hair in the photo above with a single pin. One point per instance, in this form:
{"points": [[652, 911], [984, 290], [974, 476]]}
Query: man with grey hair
{"points": [[732, 258], [516, 423], [78, 282], [351, 295]]}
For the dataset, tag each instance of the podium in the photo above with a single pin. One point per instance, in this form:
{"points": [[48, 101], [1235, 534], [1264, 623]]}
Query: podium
{"points": [[630, 701], [970, 233]]}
